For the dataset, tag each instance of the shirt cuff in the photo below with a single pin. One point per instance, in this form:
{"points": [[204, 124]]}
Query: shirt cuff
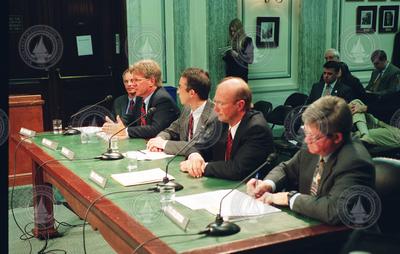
{"points": [[270, 182], [164, 144], [291, 201]]}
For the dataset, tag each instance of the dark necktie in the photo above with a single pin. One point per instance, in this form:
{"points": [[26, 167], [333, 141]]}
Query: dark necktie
{"points": [[143, 113], [317, 177], [327, 90], [228, 146], [131, 106], [190, 127], [377, 82]]}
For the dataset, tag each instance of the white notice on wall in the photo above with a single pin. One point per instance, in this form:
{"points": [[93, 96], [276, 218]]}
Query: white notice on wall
{"points": [[84, 45]]}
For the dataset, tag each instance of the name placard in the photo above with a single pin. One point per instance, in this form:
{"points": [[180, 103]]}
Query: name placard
{"points": [[67, 153], [27, 132], [98, 179], [49, 144], [176, 217]]}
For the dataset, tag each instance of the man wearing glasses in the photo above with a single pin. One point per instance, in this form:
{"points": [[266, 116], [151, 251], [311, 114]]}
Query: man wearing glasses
{"points": [[245, 141], [193, 89], [312, 181], [146, 75]]}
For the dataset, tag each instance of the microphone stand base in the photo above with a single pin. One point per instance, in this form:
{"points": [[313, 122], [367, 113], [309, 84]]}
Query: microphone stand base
{"points": [[71, 131], [108, 156], [177, 186], [222, 229]]}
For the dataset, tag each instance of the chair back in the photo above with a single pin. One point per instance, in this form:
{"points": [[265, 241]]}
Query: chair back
{"points": [[296, 99], [264, 107]]}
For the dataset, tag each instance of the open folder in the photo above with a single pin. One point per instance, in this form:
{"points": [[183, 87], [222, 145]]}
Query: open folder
{"points": [[235, 206], [141, 177]]}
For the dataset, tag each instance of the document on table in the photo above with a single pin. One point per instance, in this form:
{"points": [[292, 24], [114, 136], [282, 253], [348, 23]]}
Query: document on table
{"points": [[141, 177], [236, 205], [146, 155]]}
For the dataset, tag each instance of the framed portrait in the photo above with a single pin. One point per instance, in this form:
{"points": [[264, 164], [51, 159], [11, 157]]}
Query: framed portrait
{"points": [[267, 32], [388, 18], [366, 19]]}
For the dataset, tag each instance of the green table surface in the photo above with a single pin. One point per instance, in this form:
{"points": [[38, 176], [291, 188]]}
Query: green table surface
{"points": [[145, 206]]}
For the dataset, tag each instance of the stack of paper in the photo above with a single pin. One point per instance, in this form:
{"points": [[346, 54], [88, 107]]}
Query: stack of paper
{"points": [[141, 177], [236, 205], [146, 155]]}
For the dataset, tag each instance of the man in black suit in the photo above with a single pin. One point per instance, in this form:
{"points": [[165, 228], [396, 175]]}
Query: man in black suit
{"points": [[330, 84], [193, 89], [127, 106], [318, 175], [147, 82], [245, 141]]}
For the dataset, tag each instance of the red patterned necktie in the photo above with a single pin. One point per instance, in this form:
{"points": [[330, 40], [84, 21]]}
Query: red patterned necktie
{"points": [[131, 106], [228, 146], [317, 177], [190, 127], [143, 113]]}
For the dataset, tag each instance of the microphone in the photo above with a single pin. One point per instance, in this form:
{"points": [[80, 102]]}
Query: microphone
{"points": [[166, 180], [223, 228], [72, 131], [113, 155]]}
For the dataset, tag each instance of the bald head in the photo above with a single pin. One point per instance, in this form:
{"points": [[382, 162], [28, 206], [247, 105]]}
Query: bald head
{"points": [[238, 89]]}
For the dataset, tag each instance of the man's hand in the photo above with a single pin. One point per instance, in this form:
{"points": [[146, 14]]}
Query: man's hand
{"points": [[111, 127], [195, 165], [357, 108], [280, 198], [257, 188], [156, 144]]}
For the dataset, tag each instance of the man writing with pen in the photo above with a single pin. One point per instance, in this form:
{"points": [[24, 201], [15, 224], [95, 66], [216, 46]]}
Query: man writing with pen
{"points": [[245, 141], [312, 181]]}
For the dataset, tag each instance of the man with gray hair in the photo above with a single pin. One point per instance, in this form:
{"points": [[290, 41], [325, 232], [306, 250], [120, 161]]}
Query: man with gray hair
{"points": [[315, 178], [332, 54]]}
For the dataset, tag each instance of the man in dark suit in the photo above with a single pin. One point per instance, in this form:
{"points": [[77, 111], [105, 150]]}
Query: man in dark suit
{"points": [[245, 141], [318, 175], [330, 84], [127, 106], [193, 89], [147, 82]]}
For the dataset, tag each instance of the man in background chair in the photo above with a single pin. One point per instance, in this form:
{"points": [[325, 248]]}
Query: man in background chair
{"points": [[193, 89]]}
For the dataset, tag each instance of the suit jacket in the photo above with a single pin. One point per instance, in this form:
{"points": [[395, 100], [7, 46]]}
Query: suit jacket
{"points": [[166, 112], [340, 90], [120, 105], [388, 83], [349, 165], [250, 148], [177, 132]]}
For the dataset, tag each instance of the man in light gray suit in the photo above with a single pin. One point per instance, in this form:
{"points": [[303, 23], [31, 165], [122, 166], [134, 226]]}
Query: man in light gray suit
{"points": [[315, 177], [193, 89]]}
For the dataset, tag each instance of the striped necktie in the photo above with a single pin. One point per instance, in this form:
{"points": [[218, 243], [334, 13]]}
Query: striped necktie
{"points": [[317, 177], [228, 146], [143, 113], [130, 107]]}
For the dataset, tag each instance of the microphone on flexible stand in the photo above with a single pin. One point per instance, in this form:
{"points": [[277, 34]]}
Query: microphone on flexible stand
{"points": [[166, 180], [113, 155], [72, 131], [223, 228]]}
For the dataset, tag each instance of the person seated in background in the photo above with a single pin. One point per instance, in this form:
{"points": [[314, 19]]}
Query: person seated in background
{"points": [[332, 54], [371, 130], [193, 89], [345, 76], [127, 106], [147, 83], [314, 178], [330, 84], [385, 78], [245, 141]]}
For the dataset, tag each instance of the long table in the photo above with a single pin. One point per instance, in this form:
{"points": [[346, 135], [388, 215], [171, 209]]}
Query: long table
{"points": [[127, 219]]}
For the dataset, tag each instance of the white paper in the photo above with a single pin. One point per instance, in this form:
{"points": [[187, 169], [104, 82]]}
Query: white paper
{"points": [[84, 45], [237, 204], [141, 177], [146, 155]]}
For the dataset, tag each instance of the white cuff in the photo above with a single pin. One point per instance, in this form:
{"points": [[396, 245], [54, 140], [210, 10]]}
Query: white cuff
{"points": [[292, 199], [270, 182]]}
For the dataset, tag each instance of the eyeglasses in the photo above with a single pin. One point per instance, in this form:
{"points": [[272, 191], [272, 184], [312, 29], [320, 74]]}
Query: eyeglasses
{"points": [[315, 138], [220, 103], [138, 80]]}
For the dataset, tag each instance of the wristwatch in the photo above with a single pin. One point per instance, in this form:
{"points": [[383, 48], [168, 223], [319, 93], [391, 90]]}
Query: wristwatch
{"points": [[290, 195]]}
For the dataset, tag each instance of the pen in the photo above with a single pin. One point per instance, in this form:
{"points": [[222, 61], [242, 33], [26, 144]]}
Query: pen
{"points": [[140, 151]]}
